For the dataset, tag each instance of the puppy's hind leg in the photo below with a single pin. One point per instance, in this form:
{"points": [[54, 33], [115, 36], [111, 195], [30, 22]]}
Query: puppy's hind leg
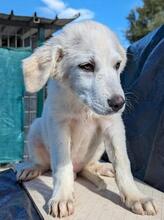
{"points": [[95, 169], [38, 155]]}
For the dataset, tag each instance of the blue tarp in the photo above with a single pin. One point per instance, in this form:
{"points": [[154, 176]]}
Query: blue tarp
{"points": [[15, 204], [11, 104], [143, 81]]}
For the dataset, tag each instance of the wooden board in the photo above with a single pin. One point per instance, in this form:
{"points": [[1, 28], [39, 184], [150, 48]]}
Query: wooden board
{"points": [[90, 203]]}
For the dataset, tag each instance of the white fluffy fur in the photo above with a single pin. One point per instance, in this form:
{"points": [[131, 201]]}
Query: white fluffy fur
{"points": [[77, 119]]}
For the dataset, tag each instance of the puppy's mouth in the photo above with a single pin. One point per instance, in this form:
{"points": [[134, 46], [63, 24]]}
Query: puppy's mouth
{"points": [[98, 108], [102, 111]]}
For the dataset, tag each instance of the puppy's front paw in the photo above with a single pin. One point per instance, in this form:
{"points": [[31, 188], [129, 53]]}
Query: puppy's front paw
{"points": [[61, 208], [61, 203], [142, 206]]}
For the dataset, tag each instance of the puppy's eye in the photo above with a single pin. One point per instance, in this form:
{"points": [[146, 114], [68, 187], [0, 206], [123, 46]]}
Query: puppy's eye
{"points": [[88, 67], [117, 65]]}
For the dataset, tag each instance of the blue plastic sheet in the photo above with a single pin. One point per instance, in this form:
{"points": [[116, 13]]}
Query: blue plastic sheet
{"points": [[11, 104], [143, 80], [14, 201]]}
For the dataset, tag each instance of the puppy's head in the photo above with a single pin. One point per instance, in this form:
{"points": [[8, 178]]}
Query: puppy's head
{"points": [[88, 58]]}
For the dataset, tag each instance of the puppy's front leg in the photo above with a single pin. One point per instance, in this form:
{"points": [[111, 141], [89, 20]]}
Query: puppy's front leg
{"points": [[116, 147], [61, 202]]}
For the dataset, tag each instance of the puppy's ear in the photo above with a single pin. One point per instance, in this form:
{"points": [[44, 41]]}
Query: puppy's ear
{"points": [[41, 65]]}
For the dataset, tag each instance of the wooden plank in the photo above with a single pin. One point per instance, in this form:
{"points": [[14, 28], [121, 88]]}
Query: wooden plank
{"points": [[90, 203]]}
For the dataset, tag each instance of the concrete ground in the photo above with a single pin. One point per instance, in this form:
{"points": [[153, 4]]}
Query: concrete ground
{"points": [[90, 203]]}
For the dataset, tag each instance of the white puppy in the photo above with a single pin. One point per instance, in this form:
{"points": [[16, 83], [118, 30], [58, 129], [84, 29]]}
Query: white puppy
{"points": [[81, 113]]}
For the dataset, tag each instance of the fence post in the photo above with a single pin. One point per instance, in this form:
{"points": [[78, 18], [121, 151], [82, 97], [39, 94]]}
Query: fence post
{"points": [[40, 94]]}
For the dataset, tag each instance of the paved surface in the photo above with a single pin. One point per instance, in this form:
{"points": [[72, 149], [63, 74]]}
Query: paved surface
{"points": [[92, 204]]}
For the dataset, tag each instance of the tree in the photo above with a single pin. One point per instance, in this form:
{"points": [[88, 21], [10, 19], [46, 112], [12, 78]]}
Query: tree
{"points": [[144, 19]]}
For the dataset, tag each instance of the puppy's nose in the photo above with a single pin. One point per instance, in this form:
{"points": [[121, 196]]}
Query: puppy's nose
{"points": [[116, 102]]}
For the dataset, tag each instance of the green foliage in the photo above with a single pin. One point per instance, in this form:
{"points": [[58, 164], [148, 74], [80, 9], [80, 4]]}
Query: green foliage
{"points": [[144, 19]]}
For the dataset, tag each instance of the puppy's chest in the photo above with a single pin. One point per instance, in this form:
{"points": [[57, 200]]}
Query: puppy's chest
{"points": [[83, 133]]}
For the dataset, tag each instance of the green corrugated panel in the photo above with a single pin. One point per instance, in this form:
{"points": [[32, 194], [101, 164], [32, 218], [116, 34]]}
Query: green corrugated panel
{"points": [[11, 104]]}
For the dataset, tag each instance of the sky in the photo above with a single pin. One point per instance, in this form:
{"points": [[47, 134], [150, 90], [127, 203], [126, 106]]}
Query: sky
{"points": [[112, 13]]}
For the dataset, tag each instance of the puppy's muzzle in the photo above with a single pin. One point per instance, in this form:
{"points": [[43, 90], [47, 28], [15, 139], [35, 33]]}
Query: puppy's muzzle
{"points": [[116, 102]]}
